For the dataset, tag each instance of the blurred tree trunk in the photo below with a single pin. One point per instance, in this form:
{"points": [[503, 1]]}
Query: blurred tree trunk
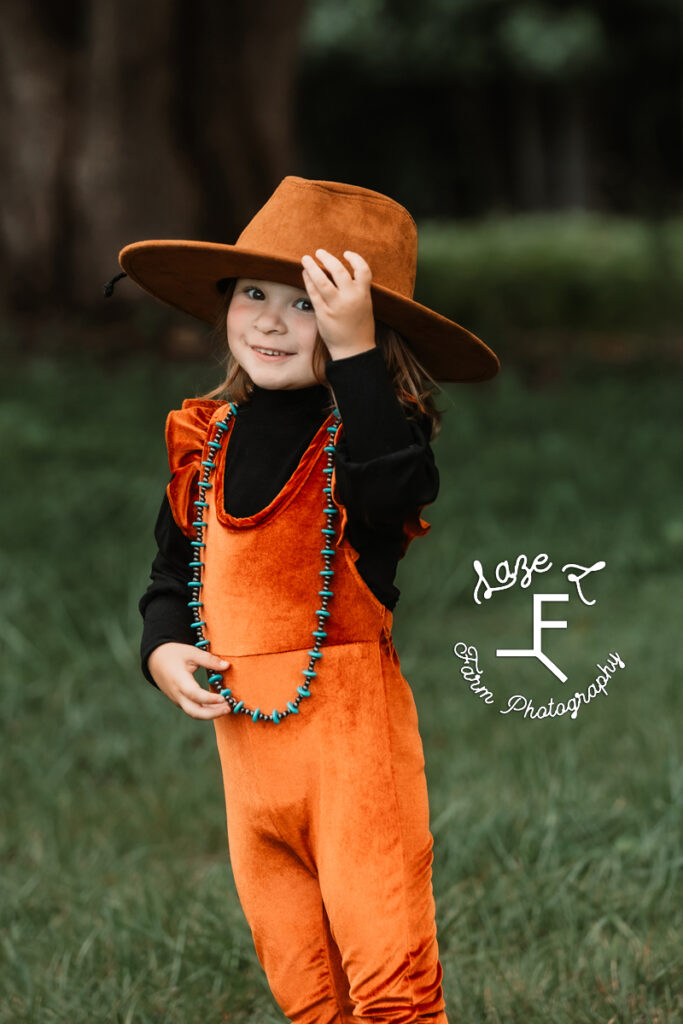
{"points": [[129, 120], [529, 149], [572, 190]]}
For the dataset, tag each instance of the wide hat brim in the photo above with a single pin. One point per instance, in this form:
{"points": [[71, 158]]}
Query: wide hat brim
{"points": [[187, 275]]}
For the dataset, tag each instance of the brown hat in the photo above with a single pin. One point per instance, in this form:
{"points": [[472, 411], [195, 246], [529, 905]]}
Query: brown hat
{"points": [[300, 217]]}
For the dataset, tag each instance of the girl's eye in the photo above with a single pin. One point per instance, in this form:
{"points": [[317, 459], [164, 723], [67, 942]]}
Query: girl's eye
{"points": [[308, 304], [253, 288]]}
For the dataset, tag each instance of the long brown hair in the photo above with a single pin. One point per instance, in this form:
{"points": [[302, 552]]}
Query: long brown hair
{"points": [[414, 386]]}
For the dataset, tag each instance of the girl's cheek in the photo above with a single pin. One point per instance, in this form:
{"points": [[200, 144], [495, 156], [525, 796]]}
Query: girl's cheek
{"points": [[235, 320]]}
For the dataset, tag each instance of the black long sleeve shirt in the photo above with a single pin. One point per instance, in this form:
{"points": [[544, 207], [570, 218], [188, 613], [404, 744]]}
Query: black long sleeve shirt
{"points": [[385, 470]]}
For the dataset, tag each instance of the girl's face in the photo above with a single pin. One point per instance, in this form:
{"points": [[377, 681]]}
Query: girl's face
{"points": [[265, 317]]}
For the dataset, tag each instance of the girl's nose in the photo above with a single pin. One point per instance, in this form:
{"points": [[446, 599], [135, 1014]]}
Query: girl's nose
{"points": [[269, 320]]}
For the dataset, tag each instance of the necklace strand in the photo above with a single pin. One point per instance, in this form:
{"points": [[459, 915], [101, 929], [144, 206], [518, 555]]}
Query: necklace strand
{"points": [[196, 565]]}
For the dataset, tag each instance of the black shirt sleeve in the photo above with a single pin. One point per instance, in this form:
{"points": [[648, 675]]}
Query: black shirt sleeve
{"points": [[374, 421], [163, 606], [385, 467]]}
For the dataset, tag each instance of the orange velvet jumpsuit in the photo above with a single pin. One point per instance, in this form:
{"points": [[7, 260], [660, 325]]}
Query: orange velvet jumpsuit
{"points": [[327, 811]]}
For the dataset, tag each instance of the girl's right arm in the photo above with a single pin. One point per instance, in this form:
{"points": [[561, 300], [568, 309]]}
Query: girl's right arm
{"points": [[169, 656], [163, 606]]}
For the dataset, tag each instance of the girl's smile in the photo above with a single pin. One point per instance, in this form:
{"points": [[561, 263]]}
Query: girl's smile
{"points": [[272, 330]]}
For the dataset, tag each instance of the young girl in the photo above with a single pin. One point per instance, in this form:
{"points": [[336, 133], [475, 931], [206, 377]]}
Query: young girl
{"points": [[296, 487]]}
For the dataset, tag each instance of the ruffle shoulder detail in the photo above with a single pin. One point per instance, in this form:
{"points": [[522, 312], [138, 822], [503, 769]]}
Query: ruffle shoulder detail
{"points": [[414, 526], [186, 431]]}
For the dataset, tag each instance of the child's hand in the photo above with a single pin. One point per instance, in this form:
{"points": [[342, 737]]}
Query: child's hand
{"points": [[171, 666], [343, 306]]}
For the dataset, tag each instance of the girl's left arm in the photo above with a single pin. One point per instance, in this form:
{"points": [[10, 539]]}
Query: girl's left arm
{"points": [[385, 467]]}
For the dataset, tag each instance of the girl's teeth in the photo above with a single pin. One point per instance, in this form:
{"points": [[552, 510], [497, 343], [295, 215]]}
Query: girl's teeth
{"points": [[270, 352]]}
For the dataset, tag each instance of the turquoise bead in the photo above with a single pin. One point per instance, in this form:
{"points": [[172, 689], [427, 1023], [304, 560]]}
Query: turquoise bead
{"points": [[292, 707], [328, 551], [331, 511], [318, 632], [321, 611], [201, 643], [204, 503], [226, 693], [303, 691], [192, 565], [328, 529], [197, 543], [203, 483], [240, 704], [276, 717], [195, 604], [326, 572], [308, 672], [195, 583], [213, 444], [254, 717], [329, 448], [205, 463], [328, 469], [215, 678], [314, 654], [196, 625], [326, 593]]}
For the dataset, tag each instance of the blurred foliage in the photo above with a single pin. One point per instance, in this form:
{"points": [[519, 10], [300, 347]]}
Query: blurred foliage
{"points": [[579, 271], [553, 45], [460, 107], [451, 39]]}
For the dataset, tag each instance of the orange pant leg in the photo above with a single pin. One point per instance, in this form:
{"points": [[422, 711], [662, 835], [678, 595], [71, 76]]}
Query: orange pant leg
{"points": [[375, 855], [282, 903], [328, 826]]}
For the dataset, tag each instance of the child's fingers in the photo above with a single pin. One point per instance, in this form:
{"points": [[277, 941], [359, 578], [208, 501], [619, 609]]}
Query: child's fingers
{"points": [[316, 299], [197, 701], [212, 663], [335, 266], [203, 711], [310, 285], [207, 660], [319, 278], [360, 267], [196, 696]]}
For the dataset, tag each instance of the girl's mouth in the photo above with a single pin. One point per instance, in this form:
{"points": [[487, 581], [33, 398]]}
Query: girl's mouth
{"points": [[270, 354]]}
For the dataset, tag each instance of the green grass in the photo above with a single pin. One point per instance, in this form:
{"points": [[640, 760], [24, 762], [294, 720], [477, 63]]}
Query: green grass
{"points": [[557, 842]]}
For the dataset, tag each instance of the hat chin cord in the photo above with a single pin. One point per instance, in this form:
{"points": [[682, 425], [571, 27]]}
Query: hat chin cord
{"points": [[109, 286]]}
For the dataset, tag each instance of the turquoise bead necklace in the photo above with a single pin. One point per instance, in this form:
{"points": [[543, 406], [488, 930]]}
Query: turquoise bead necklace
{"points": [[196, 564]]}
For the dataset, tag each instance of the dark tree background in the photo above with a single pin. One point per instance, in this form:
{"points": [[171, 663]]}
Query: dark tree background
{"points": [[173, 118], [473, 106], [129, 120]]}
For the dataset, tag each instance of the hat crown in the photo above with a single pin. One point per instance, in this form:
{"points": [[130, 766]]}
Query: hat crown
{"points": [[303, 215]]}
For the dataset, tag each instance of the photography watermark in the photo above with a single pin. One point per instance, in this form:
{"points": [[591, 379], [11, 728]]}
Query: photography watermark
{"points": [[472, 673], [507, 576]]}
